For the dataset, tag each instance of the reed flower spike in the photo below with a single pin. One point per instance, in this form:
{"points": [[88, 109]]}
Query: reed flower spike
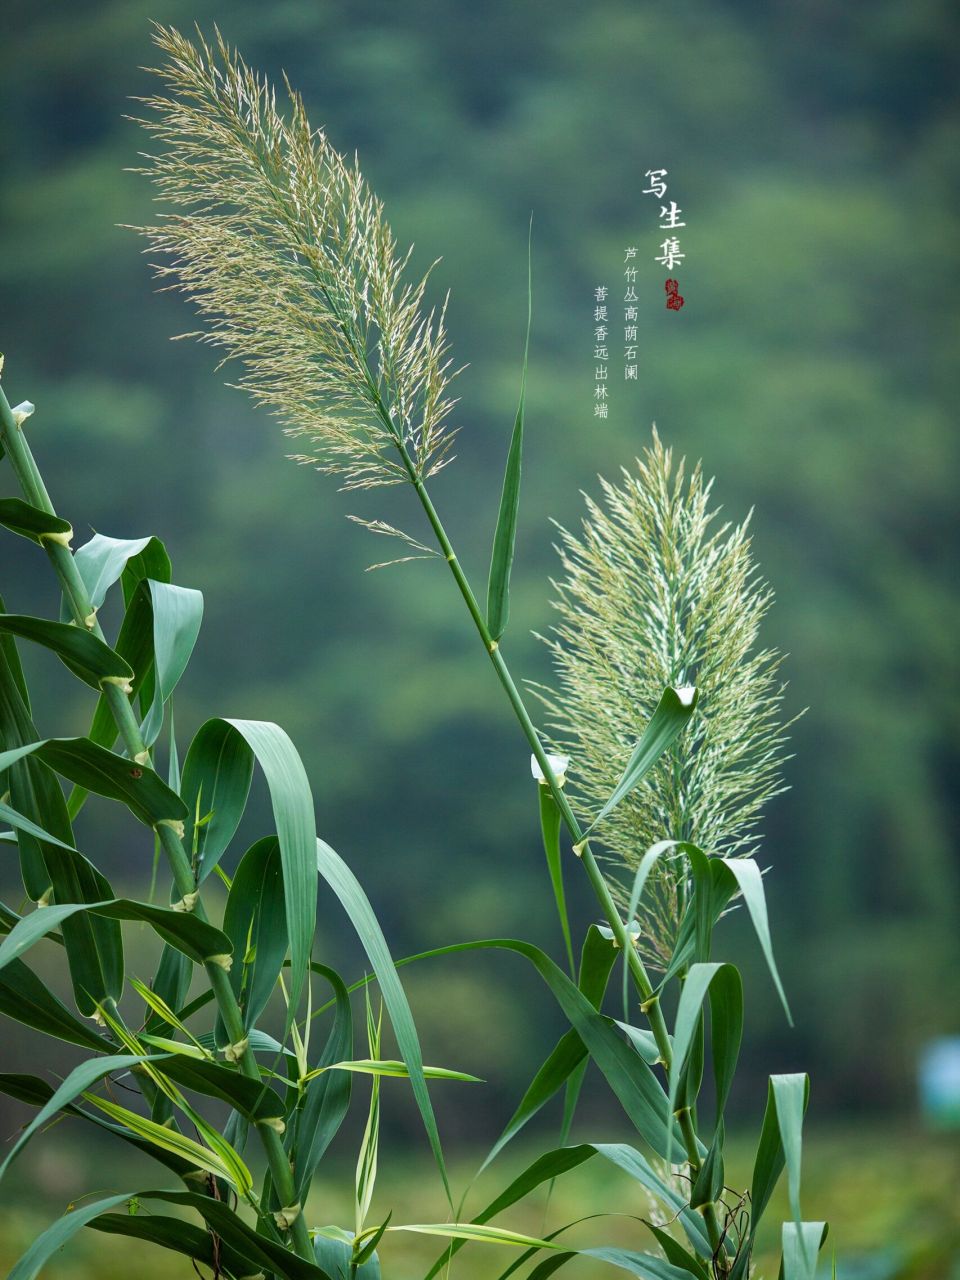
{"points": [[656, 593], [285, 252]]}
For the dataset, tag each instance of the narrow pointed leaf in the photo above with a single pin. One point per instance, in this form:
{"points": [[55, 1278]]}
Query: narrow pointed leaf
{"points": [[550, 829], [88, 657], [262, 1253], [106, 774], [790, 1096], [596, 962], [504, 539], [326, 1098], [216, 780], [357, 906], [24, 998], [55, 1237], [177, 614], [668, 720], [750, 883], [293, 813], [78, 1080], [174, 1235], [727, 1006], [195, 938], [770, 1158], [255, 919], [159, 1135]]}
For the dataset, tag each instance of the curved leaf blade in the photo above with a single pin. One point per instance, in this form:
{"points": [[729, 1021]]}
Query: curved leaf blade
{"points": [[663, 728]]}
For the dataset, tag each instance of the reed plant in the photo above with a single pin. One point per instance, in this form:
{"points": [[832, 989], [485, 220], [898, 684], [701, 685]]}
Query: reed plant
{"points": [[664, 739]]}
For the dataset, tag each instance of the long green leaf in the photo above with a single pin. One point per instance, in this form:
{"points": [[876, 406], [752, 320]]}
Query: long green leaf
{"points": [[264, 1254], [195, 938], [770, 1158], [669, 718], [790, 1094], [252, 1098], [800, 1243], [37, 1092], [324, 1102], [55, 1237], [175, 1236], [89, 658], [596, 962], [505, 536], [550, 829], [293, 813], [177, 614], [51, 866], [160, 1135], [255, 922], [750, 883], [24, 998], [357, 906], [216, 782], [727, 1008], [32, 522], [78, 1080], [101, 771], [11, 660]]}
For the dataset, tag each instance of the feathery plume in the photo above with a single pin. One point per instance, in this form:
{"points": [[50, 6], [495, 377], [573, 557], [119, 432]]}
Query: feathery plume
{"points": [[656, 594], [285, 252]]}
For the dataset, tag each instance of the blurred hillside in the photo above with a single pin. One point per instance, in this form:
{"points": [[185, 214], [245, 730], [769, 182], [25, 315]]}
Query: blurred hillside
{"points": [[813, 149]]}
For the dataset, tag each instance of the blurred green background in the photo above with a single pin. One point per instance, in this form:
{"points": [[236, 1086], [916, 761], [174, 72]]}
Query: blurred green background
{"points": [[813, 150]]}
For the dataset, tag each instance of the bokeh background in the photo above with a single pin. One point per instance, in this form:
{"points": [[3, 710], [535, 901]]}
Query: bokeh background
{"points": [[813, 150]]}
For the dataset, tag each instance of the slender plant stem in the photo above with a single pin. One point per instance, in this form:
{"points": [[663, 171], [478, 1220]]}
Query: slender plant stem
{"points": [[649, 999], [84, 615]]}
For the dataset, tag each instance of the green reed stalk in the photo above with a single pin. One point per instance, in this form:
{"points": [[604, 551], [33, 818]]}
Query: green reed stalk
{"points": [[84, 615], [649, 1001]]}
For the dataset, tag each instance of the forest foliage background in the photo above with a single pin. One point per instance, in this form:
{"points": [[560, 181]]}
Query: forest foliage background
{"points": [[813, 149]]}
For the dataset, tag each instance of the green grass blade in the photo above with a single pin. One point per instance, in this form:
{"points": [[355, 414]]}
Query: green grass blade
{"points": [[24, 998], [750, 883], [92, 660], [770, 1157], [216, 780], [255, 922], [263, 1253], [724, 985], [56, 1236], [392, 1068], [177, 614], [596, 962], [668, 720], [790, 1093], [357, 906], [324, 1102], [801, 1242], [10, 660], [550, 829], [20, 823], [293, 813], [174, 1235], [222, 1162], [505, 536], [195, 938], [77, 1082], [96, 769]]}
